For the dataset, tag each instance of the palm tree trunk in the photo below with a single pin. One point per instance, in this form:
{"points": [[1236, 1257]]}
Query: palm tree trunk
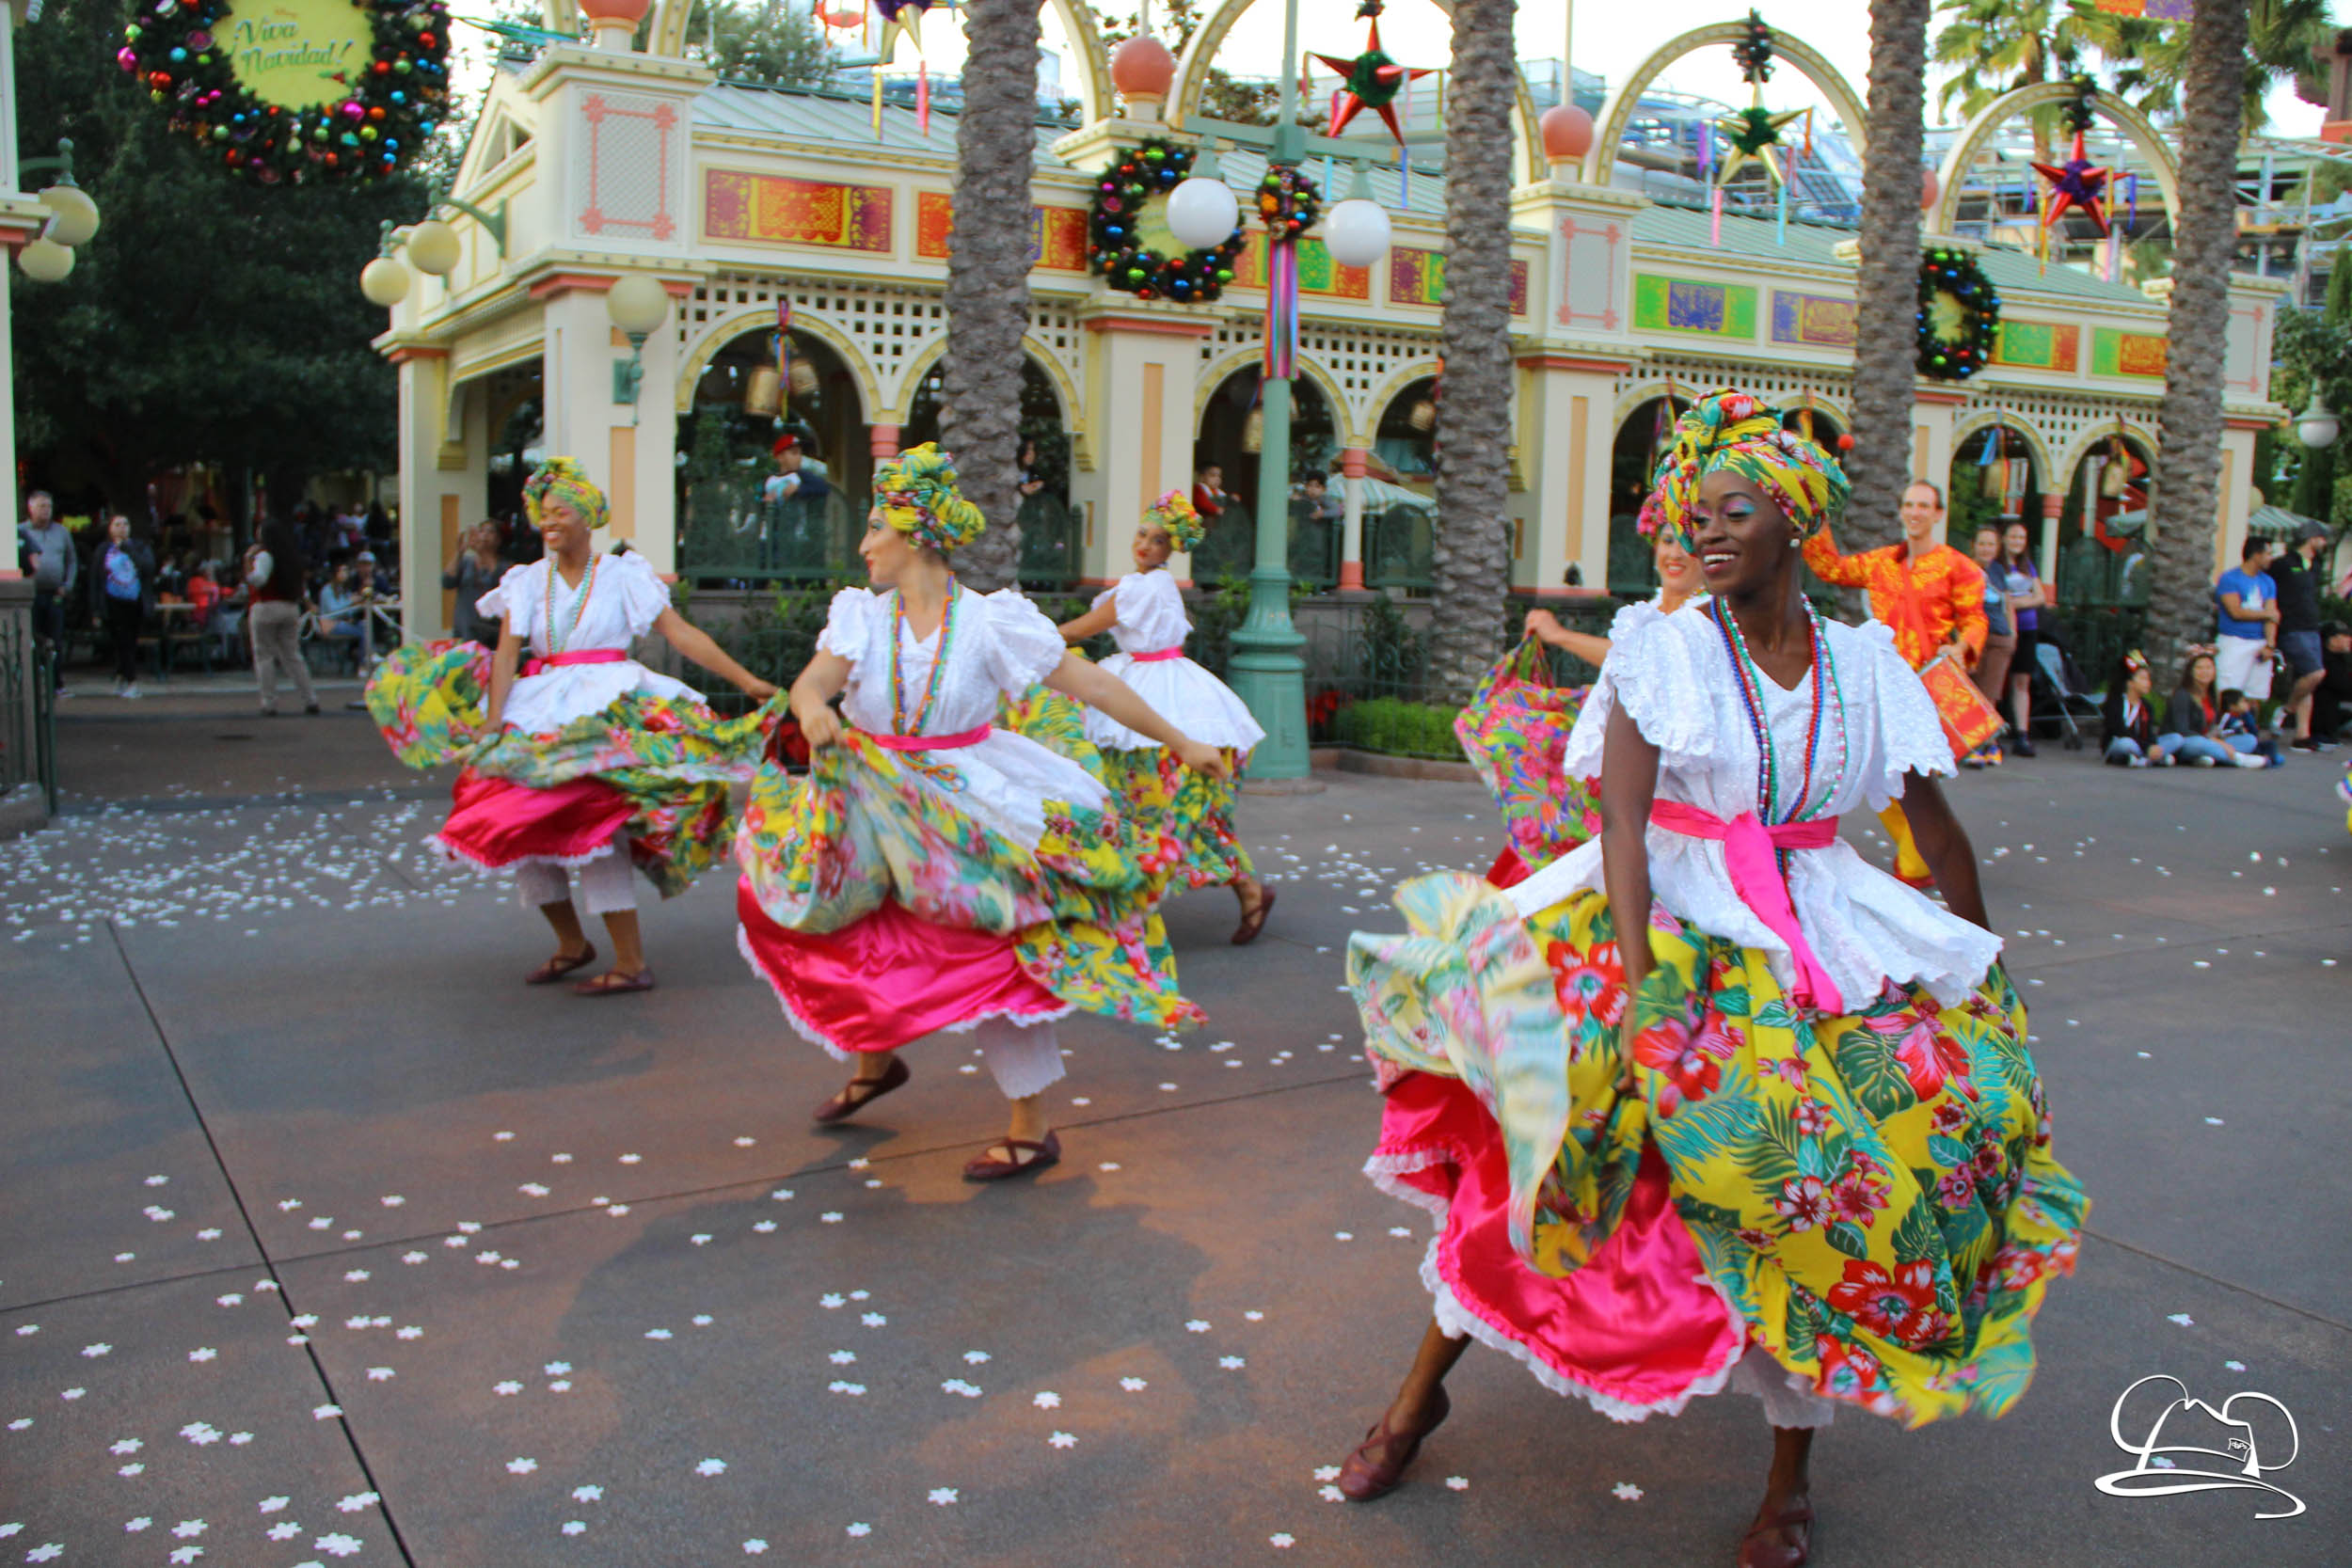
{"points": [[1472, 555], [2189, 458], [988, 276], [1888, 298]]}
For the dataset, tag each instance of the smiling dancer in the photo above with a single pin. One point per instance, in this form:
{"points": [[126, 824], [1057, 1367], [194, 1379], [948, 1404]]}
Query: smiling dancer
{"points": [[583, 758], [935, 872], [1712, 1102], [1144, 612]]}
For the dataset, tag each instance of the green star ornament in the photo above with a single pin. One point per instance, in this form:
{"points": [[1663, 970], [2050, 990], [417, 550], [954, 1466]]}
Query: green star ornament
{"points": [[1755, 135]]}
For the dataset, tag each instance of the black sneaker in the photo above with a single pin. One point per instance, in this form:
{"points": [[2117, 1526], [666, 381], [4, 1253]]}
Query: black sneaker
{"points": [[2023, 746], [2311, 744]]}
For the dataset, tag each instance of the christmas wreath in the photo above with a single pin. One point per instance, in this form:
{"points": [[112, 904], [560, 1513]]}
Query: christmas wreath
{"points": [[1288, 201], [1128, 238], [1960, 310], [371, 117]]}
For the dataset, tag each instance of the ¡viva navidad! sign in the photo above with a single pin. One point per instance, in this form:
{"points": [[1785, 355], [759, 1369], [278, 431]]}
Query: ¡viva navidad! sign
{"points": [[297, 53]]}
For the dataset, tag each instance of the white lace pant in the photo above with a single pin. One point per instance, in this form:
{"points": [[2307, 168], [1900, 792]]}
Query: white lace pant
{"points": [[1784, 1403], [607, 883], [1023, 1058]]}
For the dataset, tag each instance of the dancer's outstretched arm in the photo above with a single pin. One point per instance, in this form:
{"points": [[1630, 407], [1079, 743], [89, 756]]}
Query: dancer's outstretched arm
{"points": [[1100, 690], [698, 645]]}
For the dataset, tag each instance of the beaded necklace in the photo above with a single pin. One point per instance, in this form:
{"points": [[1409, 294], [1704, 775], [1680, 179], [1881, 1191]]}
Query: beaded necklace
{"points": [[900, 722], [1825, 690], [580, 602]]}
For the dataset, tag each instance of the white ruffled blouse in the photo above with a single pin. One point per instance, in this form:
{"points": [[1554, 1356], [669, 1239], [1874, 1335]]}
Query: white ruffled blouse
{"points": [[622, 601], [999, 646], [1150, 618], [1673, 676]]}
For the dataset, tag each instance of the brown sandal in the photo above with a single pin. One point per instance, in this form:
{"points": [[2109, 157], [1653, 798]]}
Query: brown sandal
{"points": [[987, 1167], [559, 966], [1762, 1546], [862, 1093], [1379, 1461], [613, 982], [1254, 922]]}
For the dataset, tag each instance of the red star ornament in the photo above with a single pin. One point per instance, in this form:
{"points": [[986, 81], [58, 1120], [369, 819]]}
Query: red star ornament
{"points": [[2077, 182], [1371, 81]]}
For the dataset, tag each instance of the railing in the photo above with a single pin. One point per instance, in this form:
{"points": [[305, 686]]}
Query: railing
{"points": [[29, 683], [731, 533]]}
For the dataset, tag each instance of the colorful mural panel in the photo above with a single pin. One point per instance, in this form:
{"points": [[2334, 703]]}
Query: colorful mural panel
{"points": [[1058, 235], [766, 209], [1317, 272], [1417, 276], [2118, 353], [1662, 303], [2032, 345], [1815, 321]]}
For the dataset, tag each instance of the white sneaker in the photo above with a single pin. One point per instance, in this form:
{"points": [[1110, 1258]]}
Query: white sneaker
{"points": [[2247, 759], [2136, 762], [133, 690], [2201, 762]]}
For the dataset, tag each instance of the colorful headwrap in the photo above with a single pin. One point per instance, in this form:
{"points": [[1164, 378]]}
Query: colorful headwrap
{"points": [[1175, 513], [563, 479], [916, 492], [2135, 661], [1733, 430]]}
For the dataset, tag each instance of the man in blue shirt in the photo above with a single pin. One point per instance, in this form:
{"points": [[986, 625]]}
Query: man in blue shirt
{"points": [[2247, 600]]}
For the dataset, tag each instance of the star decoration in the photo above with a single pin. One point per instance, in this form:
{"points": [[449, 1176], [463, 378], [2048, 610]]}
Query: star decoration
{"points": [[1372, 80], [2077, 182], [902, 16], [1755, 133]]}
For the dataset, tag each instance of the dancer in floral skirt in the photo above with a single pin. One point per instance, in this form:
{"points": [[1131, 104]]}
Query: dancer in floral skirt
{"points": [[582, 759], [1144, 612], [1712, 1102], [935, 871]]}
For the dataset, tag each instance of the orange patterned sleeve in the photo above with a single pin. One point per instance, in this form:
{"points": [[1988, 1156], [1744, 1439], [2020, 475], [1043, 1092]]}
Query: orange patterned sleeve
{"points": [[1845, 571]]}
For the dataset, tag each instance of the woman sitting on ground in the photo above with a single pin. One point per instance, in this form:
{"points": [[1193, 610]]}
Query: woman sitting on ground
{"points": [[2130, 719], [2192, 714]]}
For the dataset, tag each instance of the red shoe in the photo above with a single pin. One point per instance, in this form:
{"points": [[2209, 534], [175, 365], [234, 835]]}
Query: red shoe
{"points": [[1925, 884], [1379, 1461], [1762, 1546]]}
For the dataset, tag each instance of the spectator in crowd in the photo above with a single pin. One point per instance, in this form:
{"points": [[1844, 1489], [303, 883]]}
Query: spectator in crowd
{"points": [[2331, 701], [797, 476], [1321, 505], [2022, 582], [1208, 492], [2246, 598], [122, 591], [369, 579], [340, 608], [2132, 737], [2000, 642], [2239, 728], [1032, 481], [473, 571], [2297, 574], [203, 593], [44, 546], [273, 576], [2194, 713]]}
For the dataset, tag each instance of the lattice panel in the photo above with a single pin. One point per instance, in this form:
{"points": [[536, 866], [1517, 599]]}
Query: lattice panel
{"points": [[1361, 360], [1693, 376], [892, 326], [2059, 421]]}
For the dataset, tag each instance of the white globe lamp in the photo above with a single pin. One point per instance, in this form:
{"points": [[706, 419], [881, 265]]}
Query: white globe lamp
{"points": [[1202, 212], [2317, 427], [1356, 232], [385, 282], [45, 260], [75, 215], [433, 248]]}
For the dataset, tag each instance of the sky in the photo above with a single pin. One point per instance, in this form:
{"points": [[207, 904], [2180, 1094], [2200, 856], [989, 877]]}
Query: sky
{"points": [[1609, 40]]}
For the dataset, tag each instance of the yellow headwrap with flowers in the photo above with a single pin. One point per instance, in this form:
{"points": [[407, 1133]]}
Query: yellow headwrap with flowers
{"points": [[1737, 431], [562, 479], [916, 492], [1175, 513]]}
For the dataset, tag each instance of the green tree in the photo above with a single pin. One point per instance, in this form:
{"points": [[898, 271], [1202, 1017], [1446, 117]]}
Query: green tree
{"points": [[768, 41], [2286, 41], [1473, 557], [1998, 46], [2188, 464], [211, 320], [1888, 287], [988, 276]]}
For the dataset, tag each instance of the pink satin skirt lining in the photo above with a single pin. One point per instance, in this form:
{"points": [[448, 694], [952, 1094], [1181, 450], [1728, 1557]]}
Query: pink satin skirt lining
{"points": [[496, 823], [891, 978], [1636, 1330]]}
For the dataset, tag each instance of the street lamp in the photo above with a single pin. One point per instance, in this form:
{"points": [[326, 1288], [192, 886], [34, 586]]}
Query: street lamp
{"points": [[1266, 671], [2317, 427], [637, 303], [73, 219]]}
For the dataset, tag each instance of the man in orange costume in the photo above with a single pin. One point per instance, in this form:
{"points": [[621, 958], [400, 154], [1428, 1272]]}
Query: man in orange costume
{"points": [[1930, 596]]}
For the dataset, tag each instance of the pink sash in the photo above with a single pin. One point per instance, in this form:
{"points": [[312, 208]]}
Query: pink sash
{"points": [[1756, 876], [1157, 654], [930, 742], [586, 656]]}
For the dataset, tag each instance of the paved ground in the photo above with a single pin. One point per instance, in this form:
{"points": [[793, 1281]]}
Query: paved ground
{"points": [[323, 1240]]}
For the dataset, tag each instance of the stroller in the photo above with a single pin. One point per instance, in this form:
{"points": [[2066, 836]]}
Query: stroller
{"points": [[2060, 695]]}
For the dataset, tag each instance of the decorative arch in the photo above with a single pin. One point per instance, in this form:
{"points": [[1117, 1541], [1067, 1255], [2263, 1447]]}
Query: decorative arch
{"points": [[2036, 447], [726, 330], [1630, 400], [2098, 435], [1376, 408], [1192, 77], [1601, 162], [911, 381], [1214, 374], [1989, 119]]}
